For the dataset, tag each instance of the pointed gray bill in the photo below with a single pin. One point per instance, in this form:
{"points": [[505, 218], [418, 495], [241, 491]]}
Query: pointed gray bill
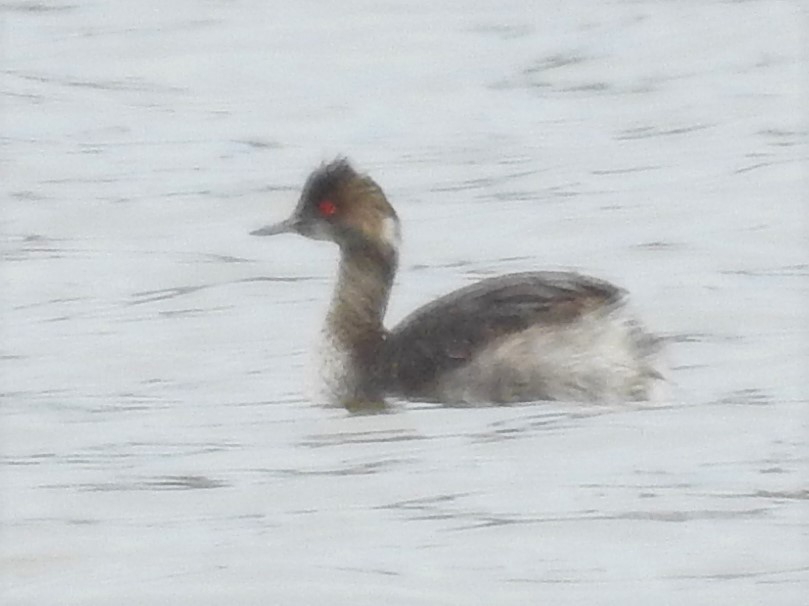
{"points": [[284, 227]]}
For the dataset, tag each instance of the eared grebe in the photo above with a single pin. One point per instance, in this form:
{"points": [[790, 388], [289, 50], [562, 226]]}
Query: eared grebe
{"points": [[527, 336]]}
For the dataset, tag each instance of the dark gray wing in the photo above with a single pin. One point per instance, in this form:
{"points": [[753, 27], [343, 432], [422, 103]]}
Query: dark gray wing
{"points": [[448, 332]]}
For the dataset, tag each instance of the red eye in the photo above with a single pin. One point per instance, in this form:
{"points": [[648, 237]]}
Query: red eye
{"points": [[327, 208]]}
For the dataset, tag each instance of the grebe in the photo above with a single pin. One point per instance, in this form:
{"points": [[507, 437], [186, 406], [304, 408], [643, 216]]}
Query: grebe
{"points": [[542, 335]]}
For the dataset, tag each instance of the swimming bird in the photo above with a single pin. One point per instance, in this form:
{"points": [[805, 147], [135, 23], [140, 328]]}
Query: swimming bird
{"points": [[539, 335]]}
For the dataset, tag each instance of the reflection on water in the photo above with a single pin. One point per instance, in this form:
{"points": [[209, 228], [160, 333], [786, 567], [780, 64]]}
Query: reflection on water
{"points": [[157, 435]]}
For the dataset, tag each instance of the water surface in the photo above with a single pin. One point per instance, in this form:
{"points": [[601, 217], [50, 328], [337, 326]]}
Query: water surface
{"points": [[158, 441]]}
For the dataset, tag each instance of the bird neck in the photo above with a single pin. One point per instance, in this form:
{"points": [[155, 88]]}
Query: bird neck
{"points": [[354, 322]]}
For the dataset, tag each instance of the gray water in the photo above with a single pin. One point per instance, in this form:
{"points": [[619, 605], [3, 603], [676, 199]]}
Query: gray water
{"points": [[159, 444]]}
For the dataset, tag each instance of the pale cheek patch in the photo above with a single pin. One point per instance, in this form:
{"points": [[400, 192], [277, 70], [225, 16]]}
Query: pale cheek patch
{"points": [[390, 232]]}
